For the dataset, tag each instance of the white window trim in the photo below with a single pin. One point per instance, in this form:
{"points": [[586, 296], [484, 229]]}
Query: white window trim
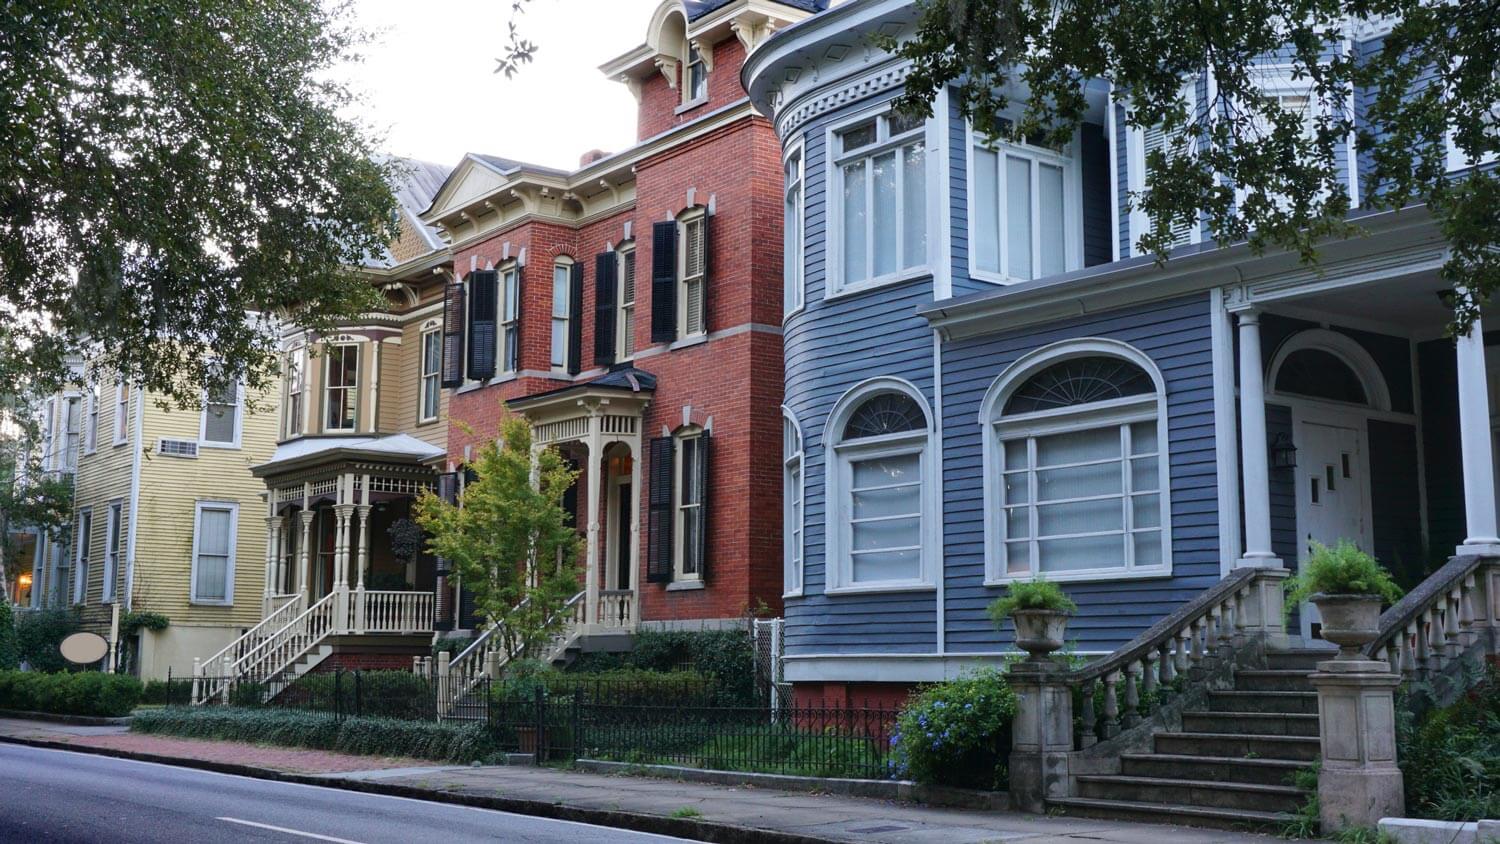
{"points": [[624, 338], [81, 553], [1278, 80], [113, 530], [679, 546], [793, 548], [327, 386], [69, 455], [1072, 168], [121, 420], [296, 357], [234, 523], [1100, 414], [833, 272], [425, 378], [706, 62], [838, 565], [695, 214], [1135, 158], [794, 267], [239, 421], [91, 420], [565, 263], [503, 327]]}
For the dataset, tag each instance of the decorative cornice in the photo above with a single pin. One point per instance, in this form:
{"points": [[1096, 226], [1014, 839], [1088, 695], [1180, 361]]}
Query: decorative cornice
{"points": [[852, 90]]}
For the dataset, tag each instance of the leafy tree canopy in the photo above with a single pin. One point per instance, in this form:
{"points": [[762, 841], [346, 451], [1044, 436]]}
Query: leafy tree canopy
{"points": [[170, 167], [1018, 69]]}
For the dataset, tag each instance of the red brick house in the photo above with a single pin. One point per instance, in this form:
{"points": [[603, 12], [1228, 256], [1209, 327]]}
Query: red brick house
{"points": [[631, 309]]}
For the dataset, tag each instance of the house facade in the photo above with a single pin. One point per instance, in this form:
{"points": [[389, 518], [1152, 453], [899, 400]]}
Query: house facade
{"points": [[987, 381]]}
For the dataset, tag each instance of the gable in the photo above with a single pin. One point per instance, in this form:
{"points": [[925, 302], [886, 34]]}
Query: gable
{"points": [[470, 180]]}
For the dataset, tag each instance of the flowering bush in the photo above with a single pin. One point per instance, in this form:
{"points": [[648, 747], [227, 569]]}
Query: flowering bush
{"points": [[958, 733]]}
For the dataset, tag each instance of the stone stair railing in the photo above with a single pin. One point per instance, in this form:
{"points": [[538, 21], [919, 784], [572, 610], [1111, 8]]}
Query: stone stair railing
{"points": [[489, 653], [270, 654], [1455, 611]]}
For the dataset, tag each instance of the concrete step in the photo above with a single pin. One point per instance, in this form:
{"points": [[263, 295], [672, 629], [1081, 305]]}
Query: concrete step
{"points": [[1251, 723], [1210, 768], [1299, 659], [1239, 745], [1291, 703], [1271, 680], [1167, 813], [1206, 794]]}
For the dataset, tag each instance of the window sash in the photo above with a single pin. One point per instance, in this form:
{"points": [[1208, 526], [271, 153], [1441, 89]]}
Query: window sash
{"points": [[432, 370], [81, 557], [689, 501], [509, 316], [221, 417], [214, 551], [72, 430], [294, 394], [1005, 179], [692, 319], [625, 291], [905, 444], [112, 551], [122, 413], [903, 217], [792, 234], [562, 292], [694, 77], [341, 388], [792, 529], [91, 426]]}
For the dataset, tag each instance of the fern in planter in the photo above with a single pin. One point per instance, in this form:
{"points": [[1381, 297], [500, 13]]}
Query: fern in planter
{"points": [[1341, 570], [1030, 595]]}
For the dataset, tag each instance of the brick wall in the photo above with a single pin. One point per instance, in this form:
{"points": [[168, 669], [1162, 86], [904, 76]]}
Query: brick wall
{"points": [[660, 101]]}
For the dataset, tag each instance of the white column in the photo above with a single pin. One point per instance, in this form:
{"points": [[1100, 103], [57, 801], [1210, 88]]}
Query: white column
{"points": [[1255, 462], [362, 557], [304, 563], [595, 469], [1478, 452], [635, 531], [273, 530]]}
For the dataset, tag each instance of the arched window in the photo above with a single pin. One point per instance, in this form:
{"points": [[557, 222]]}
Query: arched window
{"points": [[1075, 466], [880, 489], [791, 504], [1320, 374]]}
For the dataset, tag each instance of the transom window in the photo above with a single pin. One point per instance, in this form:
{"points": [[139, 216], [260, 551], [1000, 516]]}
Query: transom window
{"points": [[1079, 381], [1320, 374], [880, 166], [1023, 211], [792, 292], [341, 395], [625, 328], [693, 271]]}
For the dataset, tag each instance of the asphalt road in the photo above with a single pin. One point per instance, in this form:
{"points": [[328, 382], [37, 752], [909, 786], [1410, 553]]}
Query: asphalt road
{"points": [[52, 795]]}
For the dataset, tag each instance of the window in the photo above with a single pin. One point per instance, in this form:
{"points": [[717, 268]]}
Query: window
{"points": [[1074, 486], [295, 390], [880, 174], [880, 492], [1023, 211], [1297, 98], [431, 376], [81, 567], [691, 470], [220, 427], [791, 281], [510, 328], [112, 540], [1140, 144], [91, 426], [791, 498], [72, 431], [213, 553], [562, 295], [694, 77], [692, 273], [625, 327], [122, 413], [341, 393]]}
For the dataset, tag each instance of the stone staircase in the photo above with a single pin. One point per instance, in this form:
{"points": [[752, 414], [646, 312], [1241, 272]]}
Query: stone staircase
{"points": [[1231, 764]]}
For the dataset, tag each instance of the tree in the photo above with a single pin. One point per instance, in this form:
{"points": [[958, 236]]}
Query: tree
{"points": [[1435, 76], [509, 539], [171, 167], [29, 498]]}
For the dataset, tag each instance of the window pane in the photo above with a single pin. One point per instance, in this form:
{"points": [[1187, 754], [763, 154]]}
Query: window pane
{"points": [[1016, 456], [1078, 446], [893, 533], [885, 471], [1148, 548], [854, 222], [1078, 482], [914, 205], [1143, 474], [559, 342], [1050, 202], [1079, 517], [1083, 552], [561, 288], [985, 242], [885, 213], [1143, 438], [1018, 523], [1146, 510], [887, 565], [1018, 217], [218, 423], [1017, 557], [899, 501], [859, 136], [1017, 488]]}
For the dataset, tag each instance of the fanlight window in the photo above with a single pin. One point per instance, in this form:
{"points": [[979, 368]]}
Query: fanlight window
{"points": [[1079, 381], [1320, 374], [888, 413]]}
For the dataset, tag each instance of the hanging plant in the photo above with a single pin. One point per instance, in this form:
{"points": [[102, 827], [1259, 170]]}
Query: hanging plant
{"points": [[407, 539]]}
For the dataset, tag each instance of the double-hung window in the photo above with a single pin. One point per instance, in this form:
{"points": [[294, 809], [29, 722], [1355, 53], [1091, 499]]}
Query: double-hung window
{"points": [[114, 537], [510, 327], [1025, 211], [625, 291], [562, 295], [692, 459], [431, 376], [1295, 98], [692, 274], [1140, 144], [213, 552], [694, 77], [72, 431], [880, 184], [792, 279], [122, 413], [295, 391], [341, 390], [81, 564], [220, 427], [91, 425], [791, 497]]}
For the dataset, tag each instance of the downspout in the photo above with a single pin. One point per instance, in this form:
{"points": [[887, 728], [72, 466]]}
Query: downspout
{"points": [[135, 498]]}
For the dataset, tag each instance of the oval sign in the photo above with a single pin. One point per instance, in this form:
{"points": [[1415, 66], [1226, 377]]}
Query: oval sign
{"points": [[84, 648]]}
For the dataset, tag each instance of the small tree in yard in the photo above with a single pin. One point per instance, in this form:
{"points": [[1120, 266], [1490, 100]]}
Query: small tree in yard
{"points": [[508, 537]]}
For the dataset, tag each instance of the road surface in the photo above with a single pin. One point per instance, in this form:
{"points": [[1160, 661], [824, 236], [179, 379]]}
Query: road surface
{"points": [[53, 795]]}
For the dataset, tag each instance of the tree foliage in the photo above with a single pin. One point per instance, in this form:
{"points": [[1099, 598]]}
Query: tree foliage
{"points": [[170, 167], [29, 498], [1244, 162], [509, 539]]}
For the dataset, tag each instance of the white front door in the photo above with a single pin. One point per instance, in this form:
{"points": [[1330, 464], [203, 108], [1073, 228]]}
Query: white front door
{"points": [[1333, 492]]}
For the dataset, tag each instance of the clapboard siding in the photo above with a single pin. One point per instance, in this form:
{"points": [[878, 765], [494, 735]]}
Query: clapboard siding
{"points": [[1175, 334]]}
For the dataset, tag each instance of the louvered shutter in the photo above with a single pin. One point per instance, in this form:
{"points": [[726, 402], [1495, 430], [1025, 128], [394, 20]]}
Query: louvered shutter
{"points": [[659, 540], [442, 600], [484, 297], [1157, 138], [575, 319], [706, 293], [664, 282], [604, 308], [704, 497], [453, 335]]}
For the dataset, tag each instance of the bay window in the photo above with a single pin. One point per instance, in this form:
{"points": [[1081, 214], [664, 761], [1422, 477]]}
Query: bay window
{"points": [[1025, 219], [879, 173]]}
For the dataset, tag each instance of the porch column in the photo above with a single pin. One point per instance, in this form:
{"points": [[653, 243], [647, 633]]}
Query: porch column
{"points": [[595, 469], [1474, 438], [1255, 460], [343, 514], [273, 544], [364, 555], [304, 552]]}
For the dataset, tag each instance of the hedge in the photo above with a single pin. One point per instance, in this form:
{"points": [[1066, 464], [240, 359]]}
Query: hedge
{"points": [[38, 635], [618, 687], [726, 657], [10, 653], [80, 693], [444, 741]]}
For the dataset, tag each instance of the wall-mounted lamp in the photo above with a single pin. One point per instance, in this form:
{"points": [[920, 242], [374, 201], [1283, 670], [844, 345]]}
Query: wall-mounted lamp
{"points": [[24, 581], [1283, 452]]}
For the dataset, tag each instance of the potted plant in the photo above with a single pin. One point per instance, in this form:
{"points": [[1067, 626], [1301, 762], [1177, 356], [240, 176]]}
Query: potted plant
{"points": [[1040, 612], [1348, 587]]}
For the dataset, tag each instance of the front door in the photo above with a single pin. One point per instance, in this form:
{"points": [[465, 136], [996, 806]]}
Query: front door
{"points": [[1333, 493]]}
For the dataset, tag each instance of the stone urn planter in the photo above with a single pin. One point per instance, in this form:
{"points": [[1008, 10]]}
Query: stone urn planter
{"points": [[1349, 621], [1040, 632]]}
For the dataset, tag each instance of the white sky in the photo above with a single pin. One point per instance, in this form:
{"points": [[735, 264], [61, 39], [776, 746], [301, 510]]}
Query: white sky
{"points": [[432, 93]]}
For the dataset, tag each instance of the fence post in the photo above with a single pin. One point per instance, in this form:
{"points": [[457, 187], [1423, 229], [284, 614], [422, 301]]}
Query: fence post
{"points": [[539, 719], [577, 723]]}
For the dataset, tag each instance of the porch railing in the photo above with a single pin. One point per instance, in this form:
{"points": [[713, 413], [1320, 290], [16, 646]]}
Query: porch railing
{"points": [[1441, 620], [616, 608], [275, 652], [250, 639], [391, 612], [486, 655]]}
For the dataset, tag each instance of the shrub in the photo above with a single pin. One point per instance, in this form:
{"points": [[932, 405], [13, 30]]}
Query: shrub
{"points": [[38, 635], [1341, 570], [1450, 758], [445, 741], [376, 694], [10, 653], [1030, 595], [725, 656], [71, 693], [958, 733], [618, 687]]}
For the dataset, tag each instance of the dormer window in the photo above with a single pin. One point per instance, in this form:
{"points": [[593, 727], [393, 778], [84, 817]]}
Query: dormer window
{"points": [[694, 77]]}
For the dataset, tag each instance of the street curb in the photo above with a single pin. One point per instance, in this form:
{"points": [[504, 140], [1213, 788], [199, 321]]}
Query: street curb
{"points": [[679, 827], [64, 718]]}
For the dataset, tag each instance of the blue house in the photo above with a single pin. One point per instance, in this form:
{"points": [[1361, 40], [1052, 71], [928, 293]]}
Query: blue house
{"points": [[987, 381]]}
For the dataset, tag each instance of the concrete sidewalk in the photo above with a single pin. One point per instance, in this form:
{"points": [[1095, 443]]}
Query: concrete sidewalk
{"points": [[694, 810]]}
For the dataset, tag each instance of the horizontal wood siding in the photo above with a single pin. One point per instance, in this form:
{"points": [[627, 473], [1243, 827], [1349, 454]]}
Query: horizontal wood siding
{"points": [[1175, 334], [1283, 491], [958, 200]]}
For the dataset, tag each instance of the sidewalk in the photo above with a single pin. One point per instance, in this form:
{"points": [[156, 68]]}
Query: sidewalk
{"points": [[722, 812]]}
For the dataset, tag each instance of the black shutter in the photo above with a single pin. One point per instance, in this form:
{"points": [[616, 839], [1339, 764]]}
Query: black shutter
{"points": [[484, 296], [447, 487], [703, 500], [575, 318], [708, 271], [659, 540], [664, 282], [453, 335], [605, 268]]}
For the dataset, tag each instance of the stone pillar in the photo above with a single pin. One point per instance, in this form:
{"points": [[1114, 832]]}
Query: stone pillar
{"points": [[1260, 611], [1358, 782], [1041, 734], [304, 552], [1255, 461], [1474, 438]]}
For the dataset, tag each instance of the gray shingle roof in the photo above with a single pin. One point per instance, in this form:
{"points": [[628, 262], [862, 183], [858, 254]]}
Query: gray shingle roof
{"points": [[698, 8]]}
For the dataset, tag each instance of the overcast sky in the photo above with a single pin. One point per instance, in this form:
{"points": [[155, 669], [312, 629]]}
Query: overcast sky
{"points": [[431, 89]]}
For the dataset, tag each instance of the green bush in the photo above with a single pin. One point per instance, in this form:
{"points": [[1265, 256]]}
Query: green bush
{"points": [[958, 733], [445, 741], [375, 694], [1340, 570], [71, 693], [10, 652], [725, 656], [1450, 758], [38, 635], [617, 687], [1030, 595]]}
